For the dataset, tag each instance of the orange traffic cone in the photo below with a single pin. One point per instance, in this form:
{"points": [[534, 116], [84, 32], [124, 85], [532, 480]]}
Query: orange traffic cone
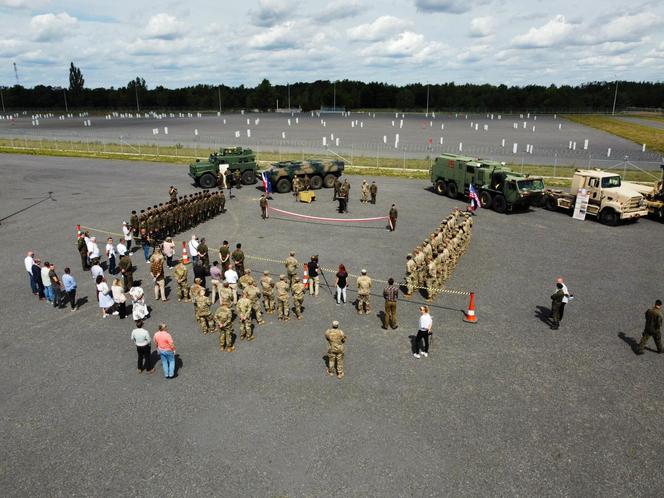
{"points": [[470, 314], [305, 279], [185, 256], [79, 234]]}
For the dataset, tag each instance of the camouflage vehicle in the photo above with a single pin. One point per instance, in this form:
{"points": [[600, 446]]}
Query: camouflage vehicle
{"points": [[654, 196], [321, 174], [498, 187], [608, 199], [237, 158]]}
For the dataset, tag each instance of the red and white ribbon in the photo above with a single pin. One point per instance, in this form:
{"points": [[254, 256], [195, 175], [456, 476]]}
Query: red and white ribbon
{"points": [[320, 218]]}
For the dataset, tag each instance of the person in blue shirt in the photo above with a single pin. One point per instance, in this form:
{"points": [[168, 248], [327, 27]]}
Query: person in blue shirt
{"points": [[70, 288]]}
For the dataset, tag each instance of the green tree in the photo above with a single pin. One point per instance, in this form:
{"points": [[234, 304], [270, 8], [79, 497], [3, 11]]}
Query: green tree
{"points": [[76, 81], [264, 96]]}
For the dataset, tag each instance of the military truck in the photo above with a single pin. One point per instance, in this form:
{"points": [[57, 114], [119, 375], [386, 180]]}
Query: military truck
{"points": [[321, 174], [654, 196], [498, 187], [608, 199], [205, 173]]}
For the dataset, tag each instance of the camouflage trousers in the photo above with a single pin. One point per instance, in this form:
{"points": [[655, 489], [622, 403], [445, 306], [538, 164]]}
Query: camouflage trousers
{"points": [[411, 283], [246, 331], [183, 291], [256, 307], [268, 302], [335, 361], [363, 304], [297, 304], [282, 308], [646, 337], [206, 323], [226, 336], [431, 287]]}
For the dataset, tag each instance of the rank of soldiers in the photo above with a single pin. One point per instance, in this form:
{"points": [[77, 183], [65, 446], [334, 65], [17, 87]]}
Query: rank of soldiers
{"points": [[431, 263]]}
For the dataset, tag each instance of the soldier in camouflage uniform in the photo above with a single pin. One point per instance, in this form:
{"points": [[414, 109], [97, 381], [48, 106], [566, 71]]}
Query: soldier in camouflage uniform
{"points": [[245, 280], [298, 297], [291, 268], [411, 276], [336, 340], [254, 294], [244, 308], [181, 274], [267, 289], [204, 318], [364, 189], [363, 293], [282, 289], [431, 277], [223, 317], [297, 187], [196, 289]]}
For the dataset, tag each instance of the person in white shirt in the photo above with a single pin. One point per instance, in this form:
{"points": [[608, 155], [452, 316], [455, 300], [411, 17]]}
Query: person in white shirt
{"points": [[111, 254], [122, 248], [29, 261], [96, 270], [566, 298], [127, 235], [231, 277], [423, 331], [193, 248], [141, 339], [93, 249], [46, 281]]}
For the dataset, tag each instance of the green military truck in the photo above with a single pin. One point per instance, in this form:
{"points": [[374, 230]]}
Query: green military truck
{"points": [[321, 174], [237, 158], [498, 187]]}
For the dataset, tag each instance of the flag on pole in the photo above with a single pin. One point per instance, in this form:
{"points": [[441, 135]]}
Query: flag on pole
{"points": [[267, 186], [474, 198]]}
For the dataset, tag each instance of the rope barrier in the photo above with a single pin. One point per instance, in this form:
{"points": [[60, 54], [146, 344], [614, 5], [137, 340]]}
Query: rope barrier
{"points": [[320, 218]]}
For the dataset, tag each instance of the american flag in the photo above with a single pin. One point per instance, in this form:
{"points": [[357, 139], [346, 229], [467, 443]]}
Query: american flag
{"points": [[472, 195], [267, 186]]}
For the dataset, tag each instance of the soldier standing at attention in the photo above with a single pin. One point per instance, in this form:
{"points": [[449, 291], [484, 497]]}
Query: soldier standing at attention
{"points": [[297, 186], [245, 280], [222, 202], [237, 179], [133, 225], [204, 254], [243, 308], [298, 296], [223, 317], [364, 190], [226, 294], [173, 193], [267, 288], [181, 274], [291, 268], [127, 270], [83, 251], [393, 217], [363, 292], [336, 340], [556, 301], [306, 183], [263, 204], [196, 289], [282, 298], [203, 315], [225, 256], [391, 294], [653, 328], [337, 188], [238, 259], [254, 294], [411, 269], [373, 190]]}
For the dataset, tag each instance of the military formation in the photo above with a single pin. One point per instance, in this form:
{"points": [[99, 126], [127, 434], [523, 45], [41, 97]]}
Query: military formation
{"points": [[431, 263]]}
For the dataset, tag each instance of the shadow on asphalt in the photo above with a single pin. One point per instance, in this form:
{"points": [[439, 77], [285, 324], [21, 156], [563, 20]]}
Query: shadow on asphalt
{"points": [[633, 343], [544, 314]]}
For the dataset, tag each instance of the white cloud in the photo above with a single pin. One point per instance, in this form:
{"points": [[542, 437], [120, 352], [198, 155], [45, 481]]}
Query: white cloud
{"points": [[165, 27], [629, 27], [407, 45], [52, 27], [474, 53], [554, 32], [380, 29], [339, 9], [23, 4], [277, 37], [446, 6], [481, 27], [270, 12], [9, 48]]}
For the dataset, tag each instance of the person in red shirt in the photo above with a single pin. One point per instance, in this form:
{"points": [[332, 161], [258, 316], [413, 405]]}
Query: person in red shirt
{"points": [[164, 342]]}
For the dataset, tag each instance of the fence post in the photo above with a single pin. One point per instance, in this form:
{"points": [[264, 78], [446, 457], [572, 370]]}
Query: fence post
{"points": [[404, 158], [555, 163]]}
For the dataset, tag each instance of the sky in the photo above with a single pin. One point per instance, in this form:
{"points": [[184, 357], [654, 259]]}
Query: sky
{"points": [[175, 44]]}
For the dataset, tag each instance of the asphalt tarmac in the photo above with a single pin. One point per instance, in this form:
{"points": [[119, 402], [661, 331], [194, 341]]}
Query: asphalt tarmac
{"points": [[553, 139], [504, 407]]}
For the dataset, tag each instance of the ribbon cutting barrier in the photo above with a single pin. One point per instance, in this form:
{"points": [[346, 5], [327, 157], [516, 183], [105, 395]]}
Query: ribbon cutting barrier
{"points": [[331, 220]]}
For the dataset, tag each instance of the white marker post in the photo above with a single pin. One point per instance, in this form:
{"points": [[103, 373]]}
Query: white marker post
{"points": [[165, 130], [248, 133], [585, 144], [608, 152], [195, 132], [515, 148], [460, 146]]}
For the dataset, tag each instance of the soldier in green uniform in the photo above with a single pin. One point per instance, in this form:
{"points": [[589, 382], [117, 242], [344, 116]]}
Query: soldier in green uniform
{"points": [[222, 202], [363, 293], [267, 289], [181, 274], [173, 193], [653, 328], [83, 252], [223, 317], [373, 190], [291, 268], [337, 189], [336, 340], [202, 305], [127, 270], [282, 289], [306, 183], [263, 205], [556, 301], [298, 296], [225, 256], [393, 214], [244, 308], [238, 259], [204, 254], [133, 223]]}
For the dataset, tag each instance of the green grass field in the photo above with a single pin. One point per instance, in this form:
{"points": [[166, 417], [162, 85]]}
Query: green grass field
{"points": [[178, 155], [640, 134]]}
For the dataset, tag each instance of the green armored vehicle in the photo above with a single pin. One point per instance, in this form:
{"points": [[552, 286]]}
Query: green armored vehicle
{"points": [[321, 174], [237, 158], [498, 187]]}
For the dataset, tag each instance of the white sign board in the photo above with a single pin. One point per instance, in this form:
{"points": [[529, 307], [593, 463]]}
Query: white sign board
{"points": [[581, 205]]}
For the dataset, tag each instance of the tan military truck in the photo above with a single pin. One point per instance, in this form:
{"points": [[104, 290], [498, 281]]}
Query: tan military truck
{"points": [[608, 199], [654, 196]]}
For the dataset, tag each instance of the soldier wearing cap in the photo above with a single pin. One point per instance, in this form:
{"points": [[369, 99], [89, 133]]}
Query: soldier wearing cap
{"points": [[298, 297], [291, 268], [282, 288], [363, 293], [336, 340], [411, 277], [267, 288]]}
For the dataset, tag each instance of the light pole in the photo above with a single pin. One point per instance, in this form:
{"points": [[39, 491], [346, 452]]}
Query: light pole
{"points": [[615, 97], [138, 108], [2, 98], [219, 95], [288, 87], [427, 100], [64, 92], [334, 93]]}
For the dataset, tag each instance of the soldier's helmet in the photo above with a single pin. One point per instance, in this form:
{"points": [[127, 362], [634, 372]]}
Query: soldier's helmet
{"points": [[266, 272], [297, 279], [282, 277], [335, 324]]}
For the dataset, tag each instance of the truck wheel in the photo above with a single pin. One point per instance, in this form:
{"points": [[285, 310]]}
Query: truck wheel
{"points": [[452, 190], [550, 203], [328, 181], [608, 217], [207, 181], [440, 187], [283, 185], [499, 204], [248, 177], [486, 200], [315, 182]]}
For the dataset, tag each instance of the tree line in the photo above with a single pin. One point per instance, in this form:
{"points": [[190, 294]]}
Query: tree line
{"points": [[593, 96]]}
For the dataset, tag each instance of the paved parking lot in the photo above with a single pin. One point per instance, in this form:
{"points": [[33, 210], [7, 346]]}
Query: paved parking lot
{"points": [[503, 407]]}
